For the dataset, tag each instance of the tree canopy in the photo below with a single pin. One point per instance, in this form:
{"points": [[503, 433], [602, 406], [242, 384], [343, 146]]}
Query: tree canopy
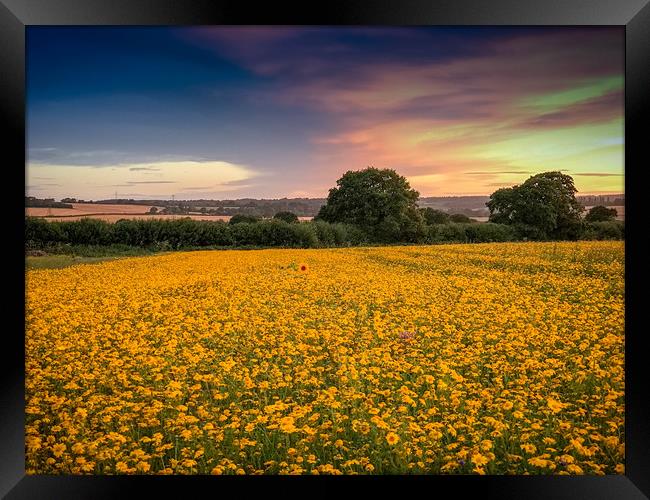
{"points": [[460, 218], [601, 213], [543, 207], [379, 201], [286, 217], [433, 216]]}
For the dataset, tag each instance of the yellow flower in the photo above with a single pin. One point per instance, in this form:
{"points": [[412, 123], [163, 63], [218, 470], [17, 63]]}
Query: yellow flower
{"points": [[574, 469], [392, 438], [528, 448], [555, 405], [363, 427], [541, 462], [143, 467], [486, 445], [58, 449], [287, 425]]}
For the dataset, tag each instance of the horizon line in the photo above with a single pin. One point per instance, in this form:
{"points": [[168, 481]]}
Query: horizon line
{"points": [[162, 198]]}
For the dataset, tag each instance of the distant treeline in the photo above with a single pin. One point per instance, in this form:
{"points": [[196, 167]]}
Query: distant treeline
{"points": [[187, 233], [603, 200], [471, 206], [302, 207], [31, 201]]}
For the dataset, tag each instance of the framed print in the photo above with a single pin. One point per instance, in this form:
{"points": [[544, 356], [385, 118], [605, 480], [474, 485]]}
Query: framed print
{"points": [[383, 241]]}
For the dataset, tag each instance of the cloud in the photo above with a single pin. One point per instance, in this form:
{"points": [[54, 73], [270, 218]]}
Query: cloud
{"points": [[597, 174], [62, 156], [43, 186], [151, 182], [197, 188], [238, 182], [500, 184], [598, 109], [408, 111], [500, 172], [88, 182]]}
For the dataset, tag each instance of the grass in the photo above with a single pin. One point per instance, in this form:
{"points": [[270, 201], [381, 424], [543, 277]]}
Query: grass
{"points": [[61, 256], [61, 261]]}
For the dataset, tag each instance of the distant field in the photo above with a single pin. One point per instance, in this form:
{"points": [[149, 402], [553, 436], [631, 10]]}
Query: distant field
{"points": [[113, 213], [116, 217], [81, 209]]}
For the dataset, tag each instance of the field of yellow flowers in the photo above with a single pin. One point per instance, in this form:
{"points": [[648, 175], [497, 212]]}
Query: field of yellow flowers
{"points": [[457, 359]]}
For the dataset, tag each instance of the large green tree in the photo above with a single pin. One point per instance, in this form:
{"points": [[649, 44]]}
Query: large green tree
{"points": [[543, 207], [379, 201]]}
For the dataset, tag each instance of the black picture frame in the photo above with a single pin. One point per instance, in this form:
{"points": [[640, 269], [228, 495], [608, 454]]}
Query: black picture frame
{"points": [[15, 15]]}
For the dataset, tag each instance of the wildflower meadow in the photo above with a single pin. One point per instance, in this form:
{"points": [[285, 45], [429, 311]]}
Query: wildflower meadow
{"points": [[498, 358]]}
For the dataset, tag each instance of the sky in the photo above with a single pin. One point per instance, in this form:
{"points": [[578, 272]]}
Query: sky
{"points": [[273, 112]]}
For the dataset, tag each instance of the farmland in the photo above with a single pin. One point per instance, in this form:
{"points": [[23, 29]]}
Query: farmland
{"points": [[135, 216], [113, 213], [87, 209], [501, 358]]}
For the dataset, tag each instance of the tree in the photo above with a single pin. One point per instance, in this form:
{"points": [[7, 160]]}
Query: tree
{"points": [[543, 207], [286, 216], [600, 214], [460, 218], [239, 218], [379, 201], [153, 210], [432, 216]]}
